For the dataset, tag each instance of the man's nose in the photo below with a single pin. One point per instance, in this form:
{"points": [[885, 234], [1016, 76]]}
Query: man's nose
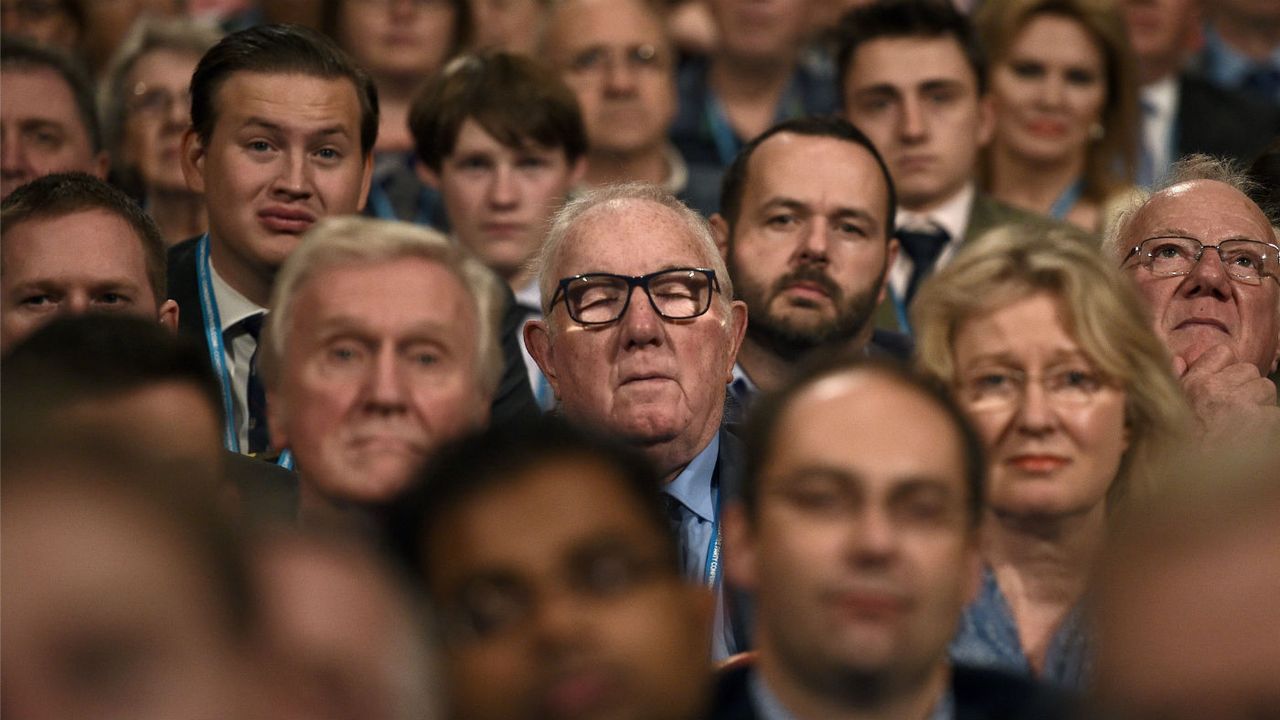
{"points": [[1207, 277], [815, 242], [13, 156], [641, 325], [385, 383], [502, 188], [294, 178], [914, 126], [873, 536], [619, 76]]}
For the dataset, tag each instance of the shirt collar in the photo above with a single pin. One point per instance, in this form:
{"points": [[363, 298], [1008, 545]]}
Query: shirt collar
{"points": [[952, 215], [1161, 95], [529, 297], [232, 306], [693, 485]]}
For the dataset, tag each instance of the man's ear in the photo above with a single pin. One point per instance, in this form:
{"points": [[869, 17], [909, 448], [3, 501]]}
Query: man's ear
{"points": [[737, 330], [720, 229], [739, 546], [168, 315], [986, 119], [578, 171], [891, 256], [366, 179], [193, 155], [537, 340]]}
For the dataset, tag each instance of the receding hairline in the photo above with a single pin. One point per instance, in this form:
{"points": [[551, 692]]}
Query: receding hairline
{"points": [[617, 206]]}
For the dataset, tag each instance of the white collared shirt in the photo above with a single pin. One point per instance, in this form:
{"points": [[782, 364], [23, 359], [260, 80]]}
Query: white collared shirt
{"points": [[1161, 97], [952, 216], [239, 346]]}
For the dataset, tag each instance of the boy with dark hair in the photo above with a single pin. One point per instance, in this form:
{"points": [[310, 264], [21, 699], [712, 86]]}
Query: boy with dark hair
{"points": [[502, 139]]}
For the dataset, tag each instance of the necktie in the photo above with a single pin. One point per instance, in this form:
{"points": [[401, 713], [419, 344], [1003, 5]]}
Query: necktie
{"points": [[923, 247], [259, 436], [676, 516]]}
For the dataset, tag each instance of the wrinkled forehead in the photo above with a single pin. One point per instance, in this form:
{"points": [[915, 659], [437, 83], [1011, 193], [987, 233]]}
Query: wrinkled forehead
{"points": [[629, 237], [1207, 210]]}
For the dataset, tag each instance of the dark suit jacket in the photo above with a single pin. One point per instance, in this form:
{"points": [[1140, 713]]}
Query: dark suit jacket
{"points": [[513, 400], [730, 473], [979, 695], [985, 214], [1220, 122]]}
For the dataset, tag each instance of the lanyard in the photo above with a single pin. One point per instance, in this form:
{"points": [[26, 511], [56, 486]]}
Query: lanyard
{"points": [[900, 311], [1066, 200], [217, 351], [380, 204], [711, 573]]}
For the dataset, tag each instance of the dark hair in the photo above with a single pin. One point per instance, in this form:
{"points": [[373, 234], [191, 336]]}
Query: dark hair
{"points": [[515, 99], [734, 185], [330, 22], [503, 456], [926, 19], [766, 415], [79, 357], [20, 54], [278, 49], [61, 194]]}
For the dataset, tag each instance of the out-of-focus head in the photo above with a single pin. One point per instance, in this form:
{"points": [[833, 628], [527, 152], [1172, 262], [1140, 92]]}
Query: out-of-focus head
{"points": [[47, 121], [1185, 599], [617, 57], [395, 40], [756, 31], [145, 100], [382, 343], [808, 213], [1265, 173], [503, 140], [1047, 349], [573, 608], [1162, 34], [125, 595], [607, 274], [69, 244], [343, 636], [514, 26], [1231, 296], [1063, 86], [1244, 12], [48, 22], [106, 24], [282, 129], [128, 380], [912, 76], [859, 543]]}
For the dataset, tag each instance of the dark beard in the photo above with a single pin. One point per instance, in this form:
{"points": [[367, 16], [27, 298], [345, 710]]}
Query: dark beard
{"points": [[791, 342]]}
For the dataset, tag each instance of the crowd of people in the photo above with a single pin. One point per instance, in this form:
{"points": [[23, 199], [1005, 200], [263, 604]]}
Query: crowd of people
{"points": [[670, 359]]}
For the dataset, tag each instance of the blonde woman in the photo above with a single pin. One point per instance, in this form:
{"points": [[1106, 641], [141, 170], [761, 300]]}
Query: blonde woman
{"points": [[1047, 351]]}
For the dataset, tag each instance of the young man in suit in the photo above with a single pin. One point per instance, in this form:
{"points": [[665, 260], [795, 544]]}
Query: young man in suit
{"points": [[913, 78]]}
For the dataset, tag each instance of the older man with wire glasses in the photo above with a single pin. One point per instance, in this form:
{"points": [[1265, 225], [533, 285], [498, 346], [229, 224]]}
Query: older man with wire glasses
{"points": [[1205, 258], [639, 337]]}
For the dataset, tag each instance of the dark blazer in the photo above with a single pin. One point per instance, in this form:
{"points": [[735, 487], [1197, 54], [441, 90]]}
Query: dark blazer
{"points": [[513, 399], [1221, 122], [979, 695], [730, 472]]}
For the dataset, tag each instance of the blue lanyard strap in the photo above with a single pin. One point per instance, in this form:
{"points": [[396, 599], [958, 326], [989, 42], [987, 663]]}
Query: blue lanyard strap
{"points": [[217, 350], [711, 573], [1066, 200]]}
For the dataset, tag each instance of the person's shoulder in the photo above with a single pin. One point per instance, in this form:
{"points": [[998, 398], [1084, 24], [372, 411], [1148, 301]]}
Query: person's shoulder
{"points": [[988, 213], [986, 693], [892, 345], [183, 254]]}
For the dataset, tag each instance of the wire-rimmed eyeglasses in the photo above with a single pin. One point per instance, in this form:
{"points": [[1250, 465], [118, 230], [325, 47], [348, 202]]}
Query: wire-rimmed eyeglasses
{"points": [[1246, 261], [602, 298]]}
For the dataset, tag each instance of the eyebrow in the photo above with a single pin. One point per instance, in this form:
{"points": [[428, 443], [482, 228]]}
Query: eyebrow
{"points": [[841, 211], [278, 128], [1178, 232]]}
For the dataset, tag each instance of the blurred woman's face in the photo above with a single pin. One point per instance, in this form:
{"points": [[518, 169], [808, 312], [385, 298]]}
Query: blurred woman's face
{"points": [[398, 38], [1049, 90], [157, 112], [1053, 425]]}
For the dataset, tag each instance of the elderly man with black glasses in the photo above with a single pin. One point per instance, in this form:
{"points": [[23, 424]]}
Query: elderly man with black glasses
{"points": [[639, 338], [1205, 258]]}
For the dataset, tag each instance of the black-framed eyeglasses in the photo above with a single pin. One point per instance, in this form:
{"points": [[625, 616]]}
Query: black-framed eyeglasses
{"points": [[602, 298], [1247, 261]]}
